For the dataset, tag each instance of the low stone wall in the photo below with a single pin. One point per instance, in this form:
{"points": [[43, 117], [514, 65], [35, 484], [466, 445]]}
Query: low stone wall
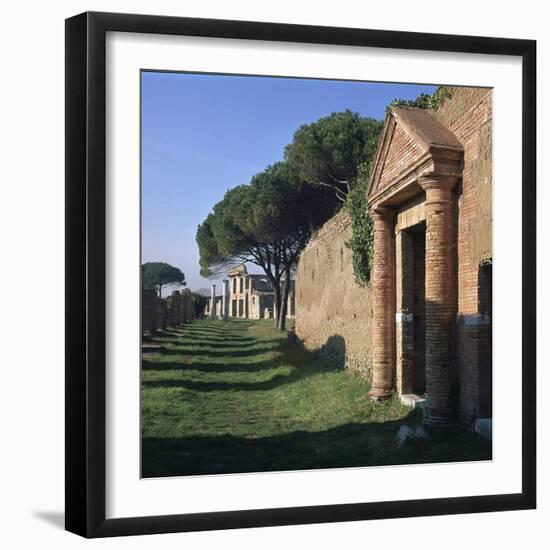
{"points": [[160, 313], [334, 312]]}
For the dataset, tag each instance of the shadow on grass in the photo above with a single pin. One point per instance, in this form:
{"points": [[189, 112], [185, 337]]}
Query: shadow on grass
{"points": [[207, 366], [349, 445], [238, 357], [202, 346], [189, 335], [207, 352], [275, 382]]}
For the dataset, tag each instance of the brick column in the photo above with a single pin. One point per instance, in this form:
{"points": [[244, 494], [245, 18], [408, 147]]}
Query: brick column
{"points": [[440, 302], [383, 303]]}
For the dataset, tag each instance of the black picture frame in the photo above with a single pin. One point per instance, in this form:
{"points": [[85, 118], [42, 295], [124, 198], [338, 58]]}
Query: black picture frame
{"points": [[86, 264]]}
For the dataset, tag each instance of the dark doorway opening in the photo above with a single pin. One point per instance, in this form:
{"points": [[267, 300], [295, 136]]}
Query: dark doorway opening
{"points": [[413, 285]]}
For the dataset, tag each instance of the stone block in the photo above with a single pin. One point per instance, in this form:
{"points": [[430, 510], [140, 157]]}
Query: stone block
{"points": [[412, 400], [404, 434], [484, 427]]}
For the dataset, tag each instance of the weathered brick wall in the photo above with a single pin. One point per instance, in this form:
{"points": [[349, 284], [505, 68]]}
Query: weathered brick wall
{"points": [[160, 313], [187, 306], [403, 152], [174, 308], [333, 312], [162, 321], [149, 311], [468, 114]]}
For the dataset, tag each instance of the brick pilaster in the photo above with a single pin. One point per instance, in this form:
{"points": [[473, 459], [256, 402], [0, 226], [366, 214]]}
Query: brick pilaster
{"points": [[383, 303], [440, 303]]}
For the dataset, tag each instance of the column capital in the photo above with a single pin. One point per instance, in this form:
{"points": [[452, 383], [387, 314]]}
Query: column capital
{"points": [[438, 181], [382, 213]]}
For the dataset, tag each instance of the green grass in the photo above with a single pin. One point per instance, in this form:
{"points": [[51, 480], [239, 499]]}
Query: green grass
{"points": [[234, 396]]}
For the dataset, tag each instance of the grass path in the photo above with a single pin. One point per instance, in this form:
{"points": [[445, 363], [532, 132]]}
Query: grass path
{"points": [[234, 396]]}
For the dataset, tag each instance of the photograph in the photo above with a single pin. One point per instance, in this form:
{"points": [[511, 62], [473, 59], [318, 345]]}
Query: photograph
{"points": [[266, 234], [316, 273]]}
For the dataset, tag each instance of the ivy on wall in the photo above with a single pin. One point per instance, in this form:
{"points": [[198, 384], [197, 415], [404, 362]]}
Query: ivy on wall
{"points": [[424, 101], [361, 243]]}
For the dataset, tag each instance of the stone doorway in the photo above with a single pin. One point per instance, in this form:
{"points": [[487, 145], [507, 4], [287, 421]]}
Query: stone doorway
{"points": [[411, 190]]}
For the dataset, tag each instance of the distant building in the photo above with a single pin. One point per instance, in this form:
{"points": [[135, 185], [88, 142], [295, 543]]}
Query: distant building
{"points": [[250, 296]]}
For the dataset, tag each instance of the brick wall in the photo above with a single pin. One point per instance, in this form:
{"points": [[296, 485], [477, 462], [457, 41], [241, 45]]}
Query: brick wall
{"points": [[468, 114], [333, 312]]}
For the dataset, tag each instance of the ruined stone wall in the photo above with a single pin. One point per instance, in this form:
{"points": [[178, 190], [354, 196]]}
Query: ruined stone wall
{"points": [[333, 312], [161, 313], [468, 114], [218, 307], [254, 306]]}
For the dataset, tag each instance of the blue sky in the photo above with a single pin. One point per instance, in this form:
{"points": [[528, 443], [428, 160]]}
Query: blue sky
{"points": [[204, 134]]}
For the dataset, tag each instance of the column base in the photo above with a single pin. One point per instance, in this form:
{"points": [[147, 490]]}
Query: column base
{"points": [[379, 394], [436, 421]]}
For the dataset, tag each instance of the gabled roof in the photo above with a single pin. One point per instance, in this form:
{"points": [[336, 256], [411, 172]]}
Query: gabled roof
{"points": [[426, 127], [409, 135]]}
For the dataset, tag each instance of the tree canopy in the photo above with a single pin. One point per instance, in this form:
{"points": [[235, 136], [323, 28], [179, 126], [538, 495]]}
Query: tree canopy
{"points": [[254, 221], [328, 152], [158, 274], [266, 223]]}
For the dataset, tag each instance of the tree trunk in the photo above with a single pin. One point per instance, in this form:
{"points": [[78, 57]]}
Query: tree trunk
{"points": [[281, 321], [277, 304], [160, 291]]}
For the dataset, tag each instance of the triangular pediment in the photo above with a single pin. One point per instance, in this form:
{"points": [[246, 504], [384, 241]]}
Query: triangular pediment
{"points": [[409, 135]]}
